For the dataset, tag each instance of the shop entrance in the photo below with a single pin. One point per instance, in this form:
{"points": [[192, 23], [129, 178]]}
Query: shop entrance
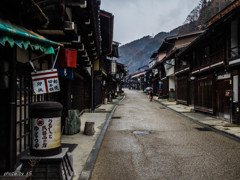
{"points": [[224, 93]]}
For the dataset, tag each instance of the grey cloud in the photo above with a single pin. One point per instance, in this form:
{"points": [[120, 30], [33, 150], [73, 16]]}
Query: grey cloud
{"points": [[138, 18]]}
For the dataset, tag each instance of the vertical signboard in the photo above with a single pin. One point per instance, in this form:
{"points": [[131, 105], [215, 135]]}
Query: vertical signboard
{"points": [[113, 67]]}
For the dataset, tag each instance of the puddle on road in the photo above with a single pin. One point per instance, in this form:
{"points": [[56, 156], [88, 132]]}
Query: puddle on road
{"points": [[141, 132]]}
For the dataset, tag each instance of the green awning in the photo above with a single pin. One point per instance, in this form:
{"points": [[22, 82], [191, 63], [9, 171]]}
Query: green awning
{"points": [[24, 38]]}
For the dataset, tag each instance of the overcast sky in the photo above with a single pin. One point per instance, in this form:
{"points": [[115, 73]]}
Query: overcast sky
{"points": [[134, 19]]}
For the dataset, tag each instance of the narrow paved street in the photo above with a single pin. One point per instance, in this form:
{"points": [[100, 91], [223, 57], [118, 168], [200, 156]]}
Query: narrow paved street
{"points": [[176, 148]]}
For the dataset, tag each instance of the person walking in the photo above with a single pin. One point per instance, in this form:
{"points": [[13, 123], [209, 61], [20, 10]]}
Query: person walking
{"points": [[151, 95]]}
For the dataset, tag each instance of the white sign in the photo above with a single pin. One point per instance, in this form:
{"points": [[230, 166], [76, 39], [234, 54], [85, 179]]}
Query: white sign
{"points": [[46, 133], [45, 81], [113, 67], [224, 76]]}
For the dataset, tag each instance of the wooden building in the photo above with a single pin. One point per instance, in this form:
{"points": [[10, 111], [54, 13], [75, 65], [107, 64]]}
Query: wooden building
{"points": [[35, 35], [76, 24], [184, 85], [167, 70], [18, 47], [100, 65], [135, 80], [214, 65]]}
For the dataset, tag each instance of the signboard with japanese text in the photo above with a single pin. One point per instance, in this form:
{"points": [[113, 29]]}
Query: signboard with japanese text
{"points": [[46, 133], [113, 67], [45, 81]]}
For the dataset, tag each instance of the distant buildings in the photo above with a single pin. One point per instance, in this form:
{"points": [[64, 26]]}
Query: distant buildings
{"points": [[201, 68]]}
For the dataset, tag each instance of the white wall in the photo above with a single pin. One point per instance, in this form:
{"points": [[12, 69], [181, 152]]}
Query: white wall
{"points": [[172, 82]]}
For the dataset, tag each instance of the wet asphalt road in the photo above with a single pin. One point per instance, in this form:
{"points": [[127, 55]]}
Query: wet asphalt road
{"points": [[176, 148]]}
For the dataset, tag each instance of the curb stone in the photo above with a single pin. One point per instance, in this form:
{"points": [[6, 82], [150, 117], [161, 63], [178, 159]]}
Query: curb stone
{"points": [[88, 167], [210, 127]]}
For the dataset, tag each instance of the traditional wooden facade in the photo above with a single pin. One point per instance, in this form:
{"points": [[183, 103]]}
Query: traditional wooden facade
{"points": [[72, 26], [153, 72], [76, 24], [100, 65], [164, 70], [19, 46], [184, 85], [115, 72], [214, 64], [121, 73]]}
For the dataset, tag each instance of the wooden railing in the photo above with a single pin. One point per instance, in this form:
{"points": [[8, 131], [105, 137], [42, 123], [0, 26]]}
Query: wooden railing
{"points": [[211, 59]]}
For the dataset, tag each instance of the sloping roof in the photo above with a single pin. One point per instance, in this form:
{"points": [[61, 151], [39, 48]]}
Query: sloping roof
{"points": [[184, 35], [139, 74], [154, 54], [106, 19], [223, 13]]}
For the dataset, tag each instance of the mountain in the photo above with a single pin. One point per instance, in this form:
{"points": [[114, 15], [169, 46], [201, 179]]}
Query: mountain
{"points": [[137, 53], [202, 13]]}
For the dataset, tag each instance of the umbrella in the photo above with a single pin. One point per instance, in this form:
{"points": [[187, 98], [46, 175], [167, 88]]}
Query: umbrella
{"points": [[149, 88]]}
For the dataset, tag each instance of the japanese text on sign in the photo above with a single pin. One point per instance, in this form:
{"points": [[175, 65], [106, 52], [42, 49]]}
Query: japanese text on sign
{"points": [[45, 81], [46, 133]]}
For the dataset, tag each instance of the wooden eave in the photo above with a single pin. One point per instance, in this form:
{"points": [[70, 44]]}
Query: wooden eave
{"points": [[232, 7], [61, 28], [165, 46], [195, 42], [86, 27], [181, 69], [180, 36], [115, 52], [154, 54], [138, 74], [106, 19], [15, 11]]}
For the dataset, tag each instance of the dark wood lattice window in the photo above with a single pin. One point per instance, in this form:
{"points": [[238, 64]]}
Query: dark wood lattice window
{"points": [[24, 98]]}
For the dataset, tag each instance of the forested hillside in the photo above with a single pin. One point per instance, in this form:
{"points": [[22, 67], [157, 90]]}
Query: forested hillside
{"points": [[201, 14], [137, 53]]}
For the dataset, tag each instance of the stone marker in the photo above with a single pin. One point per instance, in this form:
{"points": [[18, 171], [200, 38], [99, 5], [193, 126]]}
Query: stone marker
{"points": [[89, 128]]}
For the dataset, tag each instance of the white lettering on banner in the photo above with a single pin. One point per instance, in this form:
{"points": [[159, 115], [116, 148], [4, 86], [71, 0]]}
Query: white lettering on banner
{"points": [[46, 133], [45, 81]]}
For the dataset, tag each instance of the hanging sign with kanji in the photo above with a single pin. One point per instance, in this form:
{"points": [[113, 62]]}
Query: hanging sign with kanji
{"points": [[45, 81]]}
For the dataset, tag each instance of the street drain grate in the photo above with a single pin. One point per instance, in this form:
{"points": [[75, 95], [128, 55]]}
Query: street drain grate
{"points": [[203, 129], [141, 132], [116, 117], [162, 108]]}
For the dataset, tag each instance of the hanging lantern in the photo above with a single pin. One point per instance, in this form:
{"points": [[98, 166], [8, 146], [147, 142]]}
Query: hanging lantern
{"points": [[68, 58]]}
